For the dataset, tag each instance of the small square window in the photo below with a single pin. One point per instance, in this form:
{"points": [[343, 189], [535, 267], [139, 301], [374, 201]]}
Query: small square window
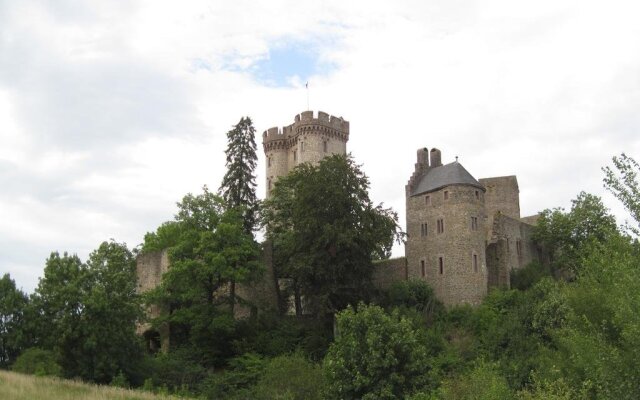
{"points": [[477, 195], [427, 200]]}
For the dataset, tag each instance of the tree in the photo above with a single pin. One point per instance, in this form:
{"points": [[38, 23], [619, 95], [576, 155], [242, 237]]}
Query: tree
{"points": [[325, 232], [238, 186], [209, 249], [88, 312], [624, 184], [375, 356], [566, 235], [13, 303]]}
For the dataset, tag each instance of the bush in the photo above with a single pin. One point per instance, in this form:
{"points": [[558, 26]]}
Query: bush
{"points": [[484, 382], [37, 362], [375, 356], [414, 298], [525, 278], [290, 377]]}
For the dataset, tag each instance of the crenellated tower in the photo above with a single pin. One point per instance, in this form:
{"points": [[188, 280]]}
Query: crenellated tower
{"points": [[308, 139]]}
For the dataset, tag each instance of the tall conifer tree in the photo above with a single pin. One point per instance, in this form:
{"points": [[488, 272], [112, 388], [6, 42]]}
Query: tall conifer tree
{"points": [[238, 186]]}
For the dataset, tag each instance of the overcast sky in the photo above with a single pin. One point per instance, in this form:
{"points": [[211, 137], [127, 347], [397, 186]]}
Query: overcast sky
{"points": [[111, 111]]}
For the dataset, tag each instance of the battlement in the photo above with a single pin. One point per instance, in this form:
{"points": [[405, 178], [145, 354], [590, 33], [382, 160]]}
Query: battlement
{"points": [[306, 121]]}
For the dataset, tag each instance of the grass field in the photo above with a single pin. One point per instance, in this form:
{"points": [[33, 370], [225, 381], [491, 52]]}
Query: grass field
{"points": [[15, 386]]}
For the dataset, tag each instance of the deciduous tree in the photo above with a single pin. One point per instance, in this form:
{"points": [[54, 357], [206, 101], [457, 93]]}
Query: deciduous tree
{"points": [[326, 230]]}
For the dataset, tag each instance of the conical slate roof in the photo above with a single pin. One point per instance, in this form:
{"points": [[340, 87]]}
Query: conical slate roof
{"points": [[445, 175]]}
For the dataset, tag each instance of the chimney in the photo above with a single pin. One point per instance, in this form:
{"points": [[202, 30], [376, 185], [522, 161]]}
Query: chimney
{"points": [[436, 159]]}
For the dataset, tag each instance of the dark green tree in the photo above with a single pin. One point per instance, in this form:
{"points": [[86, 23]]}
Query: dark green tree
{"points": [[88, 312], [208, 249], [13, 303], [238, 186], [325, 232]]}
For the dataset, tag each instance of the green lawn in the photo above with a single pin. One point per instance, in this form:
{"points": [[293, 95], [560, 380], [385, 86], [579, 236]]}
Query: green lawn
{"points": [[15, 386]]}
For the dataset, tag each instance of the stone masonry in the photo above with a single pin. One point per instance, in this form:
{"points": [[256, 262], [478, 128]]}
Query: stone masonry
{"points": [[308, 139], [464, 235]]}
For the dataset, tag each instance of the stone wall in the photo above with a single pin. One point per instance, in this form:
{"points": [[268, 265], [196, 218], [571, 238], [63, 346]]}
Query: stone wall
{"points": [[261, 294], [511, 248], [149, 270], [388, 272], [460, 281], [503, 195]]}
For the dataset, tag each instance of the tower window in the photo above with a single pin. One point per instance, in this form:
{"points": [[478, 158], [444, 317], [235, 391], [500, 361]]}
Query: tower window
{"points": [[519, 247], [301, 146], [474, 223], [423, 229], [269, 185], [477, 195], [446, 195], [441, 265], [440, 225], [427, 200], [423, 268], [475, 263], [324, 146], [295, 155], [268, 161]]}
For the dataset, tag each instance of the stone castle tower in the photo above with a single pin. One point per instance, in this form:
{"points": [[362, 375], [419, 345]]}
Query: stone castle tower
{"points": [[446, 229], [308, 139], [464, 235]]}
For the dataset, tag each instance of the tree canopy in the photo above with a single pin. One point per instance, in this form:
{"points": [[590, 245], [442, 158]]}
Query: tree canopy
{"points": [[326, 230], [209, 250]]}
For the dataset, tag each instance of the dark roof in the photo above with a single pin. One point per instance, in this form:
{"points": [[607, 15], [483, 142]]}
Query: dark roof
{"points": [[445, 175]]}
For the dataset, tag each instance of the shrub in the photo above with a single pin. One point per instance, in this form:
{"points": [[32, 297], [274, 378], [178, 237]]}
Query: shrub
{"points": [[290, 377], [37, 362], [375, 356], [525, 278]]}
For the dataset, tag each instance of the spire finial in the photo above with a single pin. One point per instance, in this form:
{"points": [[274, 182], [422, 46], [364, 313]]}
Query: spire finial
{"points": [[456, 158]]}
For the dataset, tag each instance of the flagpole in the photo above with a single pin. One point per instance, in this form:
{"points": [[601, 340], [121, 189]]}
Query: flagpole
{"points": [[307, 87]]}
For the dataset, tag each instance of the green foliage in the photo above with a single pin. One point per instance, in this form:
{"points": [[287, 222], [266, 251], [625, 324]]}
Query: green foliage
{"points": [[177, 371], [120, 381], [210, 251], [483, 382], [271, 335], [237, 380], [13, 305], [87, 312], [375, 356], [567, 236], [415, 294], [35, 361], [238, 186], [325, 231], [290, 377], [624, 184], [525, 278], [164, 237]]}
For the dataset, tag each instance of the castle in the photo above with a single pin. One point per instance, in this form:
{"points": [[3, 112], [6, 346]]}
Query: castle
{"points": [[464, 235]]}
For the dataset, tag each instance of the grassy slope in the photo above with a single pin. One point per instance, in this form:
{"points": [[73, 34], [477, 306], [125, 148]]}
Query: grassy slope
{"points": [[15, 386]]}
